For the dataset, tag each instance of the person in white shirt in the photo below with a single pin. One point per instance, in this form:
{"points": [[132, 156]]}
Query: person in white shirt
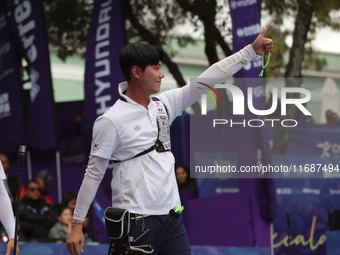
{"points": [[6, 213], [134, 133]]}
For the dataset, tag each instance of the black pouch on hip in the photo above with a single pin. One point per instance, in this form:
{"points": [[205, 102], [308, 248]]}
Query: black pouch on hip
{"points": [[117, 222]]}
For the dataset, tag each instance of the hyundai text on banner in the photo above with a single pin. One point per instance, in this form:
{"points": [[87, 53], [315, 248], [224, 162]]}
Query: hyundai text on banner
{"points": [[11, 118], [102, 71], [102, 76], [28, 26]]}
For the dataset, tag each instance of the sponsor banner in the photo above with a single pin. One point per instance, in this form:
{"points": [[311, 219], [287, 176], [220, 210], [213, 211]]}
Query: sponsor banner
{"points": [[308, 202], [102, 75], [246, 25], [313, 139], [102, 71], [12, 128], [313, 152], [28, 25]]}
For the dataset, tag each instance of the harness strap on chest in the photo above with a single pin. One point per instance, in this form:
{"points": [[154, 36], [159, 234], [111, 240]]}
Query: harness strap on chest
{"points": [[138, 155], [162, 143]]}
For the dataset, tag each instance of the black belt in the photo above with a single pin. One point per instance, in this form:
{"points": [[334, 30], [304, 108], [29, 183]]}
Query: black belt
{"points": [[135, 216]]}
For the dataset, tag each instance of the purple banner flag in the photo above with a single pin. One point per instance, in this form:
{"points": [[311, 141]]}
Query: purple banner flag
{"points": [[246, 25], [11, 118], [102, 72], [102, 75], [253, 149], [30, 34]]}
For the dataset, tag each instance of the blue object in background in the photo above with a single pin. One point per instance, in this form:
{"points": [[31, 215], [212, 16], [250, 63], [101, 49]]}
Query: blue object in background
{"points": [[90, 249], [55, 248], [332, 243]]}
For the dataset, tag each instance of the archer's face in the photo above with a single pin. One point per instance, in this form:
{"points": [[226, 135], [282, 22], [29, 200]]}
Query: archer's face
{"points": [[151, 78]]}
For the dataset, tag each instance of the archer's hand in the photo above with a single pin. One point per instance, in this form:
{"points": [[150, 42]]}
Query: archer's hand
{"points": [[10, 247], [262, 44], [74, 239]]}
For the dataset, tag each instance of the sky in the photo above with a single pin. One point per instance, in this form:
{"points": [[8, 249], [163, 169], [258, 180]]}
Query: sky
{"points": [[328, 41]]}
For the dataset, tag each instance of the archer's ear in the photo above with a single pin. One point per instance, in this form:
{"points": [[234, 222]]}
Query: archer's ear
{"points": [[135, 71]]}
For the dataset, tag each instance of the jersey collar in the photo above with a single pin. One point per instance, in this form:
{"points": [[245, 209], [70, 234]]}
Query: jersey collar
{"points": [[122, 87]]}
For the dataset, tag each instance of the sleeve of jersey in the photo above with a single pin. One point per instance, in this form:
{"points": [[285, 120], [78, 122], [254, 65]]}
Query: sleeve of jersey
{"points": [[6, 213], [93, 176], [2, 172], [104, 138], [216, 74]]}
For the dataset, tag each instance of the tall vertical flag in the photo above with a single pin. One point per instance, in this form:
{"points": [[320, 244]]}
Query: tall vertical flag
{"points": [[102, 75], [246, 26], [102, 72], [28, 25], [12, 130]]}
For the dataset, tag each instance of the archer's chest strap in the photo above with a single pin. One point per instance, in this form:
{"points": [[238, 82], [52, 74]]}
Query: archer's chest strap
{"points": [[162, 143], [163, 139]]}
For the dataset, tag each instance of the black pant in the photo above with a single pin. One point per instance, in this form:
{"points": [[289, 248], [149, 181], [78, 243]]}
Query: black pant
{"points": [[174, 241]]}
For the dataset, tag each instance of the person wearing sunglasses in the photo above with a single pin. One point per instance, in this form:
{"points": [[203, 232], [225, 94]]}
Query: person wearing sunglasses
{"points": [[36, 217], [6, 213]]}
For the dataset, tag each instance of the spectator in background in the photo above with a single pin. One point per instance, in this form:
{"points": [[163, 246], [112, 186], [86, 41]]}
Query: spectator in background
{"points": [[44, 180], [36, 216], [184, 181], [69, 200], [11, 182], [61, 229], [332, 117]]}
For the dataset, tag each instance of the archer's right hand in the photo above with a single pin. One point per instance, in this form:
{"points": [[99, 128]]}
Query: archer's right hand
{"points": [[75, 240]]}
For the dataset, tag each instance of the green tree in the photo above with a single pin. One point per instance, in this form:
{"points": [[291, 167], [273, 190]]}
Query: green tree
{"points": [[150, 21], [309, 15], [155, 22], [67, 23]]}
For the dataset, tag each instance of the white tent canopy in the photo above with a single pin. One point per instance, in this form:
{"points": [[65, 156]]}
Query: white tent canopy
{"points": [[330, 98]]}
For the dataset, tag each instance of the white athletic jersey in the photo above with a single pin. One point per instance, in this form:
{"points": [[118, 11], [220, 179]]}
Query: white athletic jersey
{"points": [[6, 213], [145, 184], [2, 172]]}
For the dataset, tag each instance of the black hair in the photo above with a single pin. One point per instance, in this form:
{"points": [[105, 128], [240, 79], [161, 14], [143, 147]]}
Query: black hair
{"points": [[67, 197], [29, 182], [186, 169], [139, 54], [60, 210]]}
